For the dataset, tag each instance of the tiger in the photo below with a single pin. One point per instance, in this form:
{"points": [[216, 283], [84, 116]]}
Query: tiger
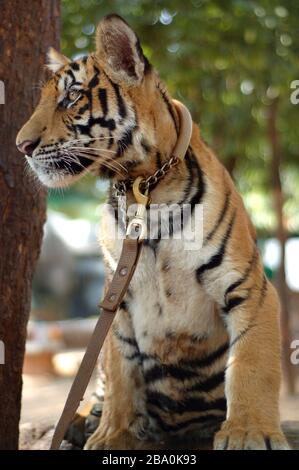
{"points": [[194, 350]]}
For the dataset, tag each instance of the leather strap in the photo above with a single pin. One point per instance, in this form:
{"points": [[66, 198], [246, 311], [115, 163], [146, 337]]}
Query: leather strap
{"points": [[186, 126], [125, 269]]}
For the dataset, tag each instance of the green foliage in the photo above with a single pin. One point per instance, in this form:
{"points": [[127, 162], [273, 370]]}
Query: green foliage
{"points": [[228, 61]]}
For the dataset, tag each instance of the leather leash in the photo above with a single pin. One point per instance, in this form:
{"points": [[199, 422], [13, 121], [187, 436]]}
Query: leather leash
{"points": [[131, 249], [117, 289]]}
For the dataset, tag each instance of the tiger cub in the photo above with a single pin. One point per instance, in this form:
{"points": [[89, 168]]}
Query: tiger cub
{"points": [[194, 350]]}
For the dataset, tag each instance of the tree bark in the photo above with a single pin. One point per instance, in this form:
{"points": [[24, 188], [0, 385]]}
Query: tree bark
{"points": [[26, 31], [281, 235]]}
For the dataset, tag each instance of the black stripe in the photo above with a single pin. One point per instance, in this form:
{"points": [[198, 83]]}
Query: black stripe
{"points": [[122, 109], [125, 339], [95, 79], [240, 281], [209, 384], [158, 159], [189, 162], [192, 404], [194, 170], [145, 145], [134, 356], [220, 217], [106, 172], [217, 259], [232, 303], [241, 335], [89, 97], [124, 305], [70, 74], [75, 66], [77, 83], [75, 167], [83, 129], [152, 243], [103, 100], [190, 165], [83, 109], [170, 108], [263, 291], [111, 140], [160, 372], [212, 417], [125, 141], [207, 360], [142, 357], [108, 123], [147, 65]]}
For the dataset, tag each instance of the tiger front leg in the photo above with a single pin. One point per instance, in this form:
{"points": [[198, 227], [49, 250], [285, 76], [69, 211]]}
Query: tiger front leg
{"points": [[253, 373], [121, 419]]}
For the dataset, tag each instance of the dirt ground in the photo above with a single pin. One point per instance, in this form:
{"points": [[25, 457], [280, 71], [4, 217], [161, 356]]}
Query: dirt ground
{"points": [[44, 396], [43, 400]]}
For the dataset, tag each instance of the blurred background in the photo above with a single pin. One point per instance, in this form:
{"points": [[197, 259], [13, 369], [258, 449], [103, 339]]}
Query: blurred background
{"points": [[233, 64]]}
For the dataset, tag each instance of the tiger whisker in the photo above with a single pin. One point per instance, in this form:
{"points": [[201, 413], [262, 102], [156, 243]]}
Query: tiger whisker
{"points": [[109, 165], [91, 151], [106, 163], [87, 140]]}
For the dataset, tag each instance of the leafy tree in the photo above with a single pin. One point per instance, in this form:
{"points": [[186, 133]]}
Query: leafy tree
{"points": [[228, 61]]}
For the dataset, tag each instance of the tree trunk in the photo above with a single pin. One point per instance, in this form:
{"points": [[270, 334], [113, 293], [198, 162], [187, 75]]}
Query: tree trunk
{"points": [[281, 234], [27, 29], [230, 161]]}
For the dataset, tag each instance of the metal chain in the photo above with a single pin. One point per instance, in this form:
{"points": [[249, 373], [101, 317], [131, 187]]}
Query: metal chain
{"points": [[122, 186], [160, 173]]}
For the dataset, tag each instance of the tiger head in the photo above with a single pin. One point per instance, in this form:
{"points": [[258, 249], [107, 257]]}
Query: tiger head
{"points": [[106, 112]]}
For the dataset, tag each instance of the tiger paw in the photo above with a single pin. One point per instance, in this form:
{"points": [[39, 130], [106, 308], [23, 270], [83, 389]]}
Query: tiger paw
{"points": [[121, 440], [93, 420], [234, 436]]}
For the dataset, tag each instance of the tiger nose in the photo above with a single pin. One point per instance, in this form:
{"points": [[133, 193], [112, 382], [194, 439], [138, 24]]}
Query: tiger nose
{"points": [[28, 146]]}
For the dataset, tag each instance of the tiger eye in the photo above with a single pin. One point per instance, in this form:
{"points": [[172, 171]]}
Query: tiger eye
{"points": [[73, 95]]}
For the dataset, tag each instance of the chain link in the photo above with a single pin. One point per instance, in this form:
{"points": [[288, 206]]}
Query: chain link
{"points": [[122, 186], [160, 173]]}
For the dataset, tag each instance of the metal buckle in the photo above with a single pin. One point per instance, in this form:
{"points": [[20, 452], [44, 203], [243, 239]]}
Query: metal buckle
{"points": [[137, 226]]}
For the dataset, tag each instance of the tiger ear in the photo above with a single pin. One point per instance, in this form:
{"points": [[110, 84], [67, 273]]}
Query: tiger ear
{"points": [[119, 52], [56, 60]]}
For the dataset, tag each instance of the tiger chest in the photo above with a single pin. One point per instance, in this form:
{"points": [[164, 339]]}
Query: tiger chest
{"points": [[169, 329], [165, 299], [169, 314]]}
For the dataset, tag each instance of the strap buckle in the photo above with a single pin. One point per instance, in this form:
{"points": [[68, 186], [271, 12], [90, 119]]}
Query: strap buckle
{"points": [[137, 226]]}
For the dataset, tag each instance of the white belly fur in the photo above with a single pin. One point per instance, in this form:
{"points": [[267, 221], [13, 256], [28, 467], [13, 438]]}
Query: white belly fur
{"points": [[185, 306]]}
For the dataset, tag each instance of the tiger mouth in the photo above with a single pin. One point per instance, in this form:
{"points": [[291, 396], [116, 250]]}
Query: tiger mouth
{"points": [[72, 166]]}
